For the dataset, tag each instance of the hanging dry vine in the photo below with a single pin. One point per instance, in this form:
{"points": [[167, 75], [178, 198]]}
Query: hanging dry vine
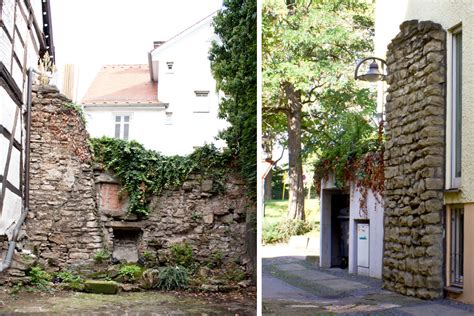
{"points": [[364, 168]]}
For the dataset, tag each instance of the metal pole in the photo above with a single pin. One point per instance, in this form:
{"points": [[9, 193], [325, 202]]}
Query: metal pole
{"points": [[28, 138]]}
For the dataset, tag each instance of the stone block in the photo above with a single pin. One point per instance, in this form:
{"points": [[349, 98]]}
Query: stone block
{"points": [[208, 218], [229, 218], [207, 186], [431, 218], [101, 287]]}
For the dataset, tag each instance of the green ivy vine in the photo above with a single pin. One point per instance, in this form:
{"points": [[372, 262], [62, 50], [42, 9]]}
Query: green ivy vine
{"points": [[356, 157], [144, 172]]}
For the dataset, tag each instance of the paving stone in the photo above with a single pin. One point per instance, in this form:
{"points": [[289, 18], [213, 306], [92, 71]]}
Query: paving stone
{"points": [[290, 267], [342, 284], [434, 310], [313, 275]]}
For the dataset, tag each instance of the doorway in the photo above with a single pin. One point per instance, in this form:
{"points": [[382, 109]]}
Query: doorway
{"points": [[339, 230]]}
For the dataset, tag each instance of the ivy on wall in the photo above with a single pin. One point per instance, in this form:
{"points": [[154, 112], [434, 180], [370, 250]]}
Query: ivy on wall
{"points": [[356, 157], [144, 172]]}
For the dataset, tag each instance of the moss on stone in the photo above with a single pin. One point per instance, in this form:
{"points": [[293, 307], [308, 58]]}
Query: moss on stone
{"points": [[101, 287]]}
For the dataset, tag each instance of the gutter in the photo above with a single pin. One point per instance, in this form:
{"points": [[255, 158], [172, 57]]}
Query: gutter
{"points": [[12, 243], [131, 106]]}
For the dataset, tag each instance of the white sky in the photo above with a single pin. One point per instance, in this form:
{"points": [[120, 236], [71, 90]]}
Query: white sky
{"points": [[92, 33]]}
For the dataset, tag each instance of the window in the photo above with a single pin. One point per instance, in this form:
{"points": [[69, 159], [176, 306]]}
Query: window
{"points": [[122, 126], [456, 256], [202, 101], [456, 106], [169, 67], [169, 118]]}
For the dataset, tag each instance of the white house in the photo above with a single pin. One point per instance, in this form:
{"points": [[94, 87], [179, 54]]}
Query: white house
{"points": [[169, 105], [351, 235]]}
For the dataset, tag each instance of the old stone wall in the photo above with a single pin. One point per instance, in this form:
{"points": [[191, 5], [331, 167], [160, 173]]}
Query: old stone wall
{"points": [[62, 227], [414, 161], [212, 224], [75, 213]]}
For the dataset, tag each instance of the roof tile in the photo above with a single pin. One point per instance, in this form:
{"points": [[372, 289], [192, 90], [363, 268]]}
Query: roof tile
{"points": [[122, 84]]}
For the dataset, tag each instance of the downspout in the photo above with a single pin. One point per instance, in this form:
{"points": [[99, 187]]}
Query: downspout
{"points": [[12, 243]]}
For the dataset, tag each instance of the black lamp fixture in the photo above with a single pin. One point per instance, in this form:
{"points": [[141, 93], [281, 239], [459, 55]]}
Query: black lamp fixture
{"points": [[373, 74]]}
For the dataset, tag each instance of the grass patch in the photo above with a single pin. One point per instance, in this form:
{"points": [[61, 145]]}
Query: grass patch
{"points": [[276, 227]]}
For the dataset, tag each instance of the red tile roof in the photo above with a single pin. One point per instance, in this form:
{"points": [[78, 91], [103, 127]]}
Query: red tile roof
{"points": [[122, 84]]}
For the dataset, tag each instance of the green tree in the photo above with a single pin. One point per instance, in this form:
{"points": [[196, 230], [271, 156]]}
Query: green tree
{"points": [[309, 48], [234, 66]]}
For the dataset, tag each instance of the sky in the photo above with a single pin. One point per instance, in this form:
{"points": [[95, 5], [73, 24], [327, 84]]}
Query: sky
{"points": [[93, 33]]}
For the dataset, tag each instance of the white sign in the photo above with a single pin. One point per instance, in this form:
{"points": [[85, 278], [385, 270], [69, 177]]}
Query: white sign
{"points": [[363, 236]]}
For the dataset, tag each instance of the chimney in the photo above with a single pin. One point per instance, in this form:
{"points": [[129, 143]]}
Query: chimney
{"points": [[68, 81], [157, 44]]}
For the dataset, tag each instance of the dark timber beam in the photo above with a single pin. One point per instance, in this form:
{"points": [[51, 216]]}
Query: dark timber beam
{"points": [[7, 134]]}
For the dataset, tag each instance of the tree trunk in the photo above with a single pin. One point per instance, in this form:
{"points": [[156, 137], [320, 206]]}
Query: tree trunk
{"points": [[296, 188], [267, 144], [267, 196]]}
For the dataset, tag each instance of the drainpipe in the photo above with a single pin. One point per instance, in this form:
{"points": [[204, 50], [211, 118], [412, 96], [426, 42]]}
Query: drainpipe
{"points": [[11, 245]]}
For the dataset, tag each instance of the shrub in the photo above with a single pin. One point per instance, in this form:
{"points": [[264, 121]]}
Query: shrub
{"points": [[148, 256], [182, 255], [75, 282], [130, 272], [102, 256], [282, 231], [172, 278], [233, 272], [38, 276], [216, 259]]}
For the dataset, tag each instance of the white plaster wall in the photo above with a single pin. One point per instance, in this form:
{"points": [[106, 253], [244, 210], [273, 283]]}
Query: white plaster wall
{"points": [[191, 71], [13, 205], [150, 128], [375, 216], [390, 14], [7, 113]]}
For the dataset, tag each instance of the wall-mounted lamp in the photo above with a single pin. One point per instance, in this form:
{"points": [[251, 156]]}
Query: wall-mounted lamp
{"points": [[373, 74]]}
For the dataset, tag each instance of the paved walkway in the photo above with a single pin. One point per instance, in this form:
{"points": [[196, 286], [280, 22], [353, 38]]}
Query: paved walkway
{"points": [[295, 286]]}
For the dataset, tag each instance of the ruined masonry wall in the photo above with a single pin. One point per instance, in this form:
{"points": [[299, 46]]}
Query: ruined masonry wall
{"points": [[210, 223], [62, 227], [74, 213], [414, 160]]}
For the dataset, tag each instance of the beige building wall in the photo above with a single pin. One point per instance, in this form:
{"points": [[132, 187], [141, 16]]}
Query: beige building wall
{"points": [[389, 15]]}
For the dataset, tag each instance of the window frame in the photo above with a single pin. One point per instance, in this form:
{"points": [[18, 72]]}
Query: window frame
{"points": [[122, 124], [202, 101], [170, 67], [456, 107], [455, 249], [168, 118]]}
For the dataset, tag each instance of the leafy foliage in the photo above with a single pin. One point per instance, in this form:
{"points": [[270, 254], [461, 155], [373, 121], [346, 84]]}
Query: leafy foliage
{"points": [[282, 231], [234, 272], [72, 280], [78, 109], [356, 156], [130, 272], [234, 66], [143, 172], [38, 276], [308, 53], [102, 256], [172, 278], [182, 255]]}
